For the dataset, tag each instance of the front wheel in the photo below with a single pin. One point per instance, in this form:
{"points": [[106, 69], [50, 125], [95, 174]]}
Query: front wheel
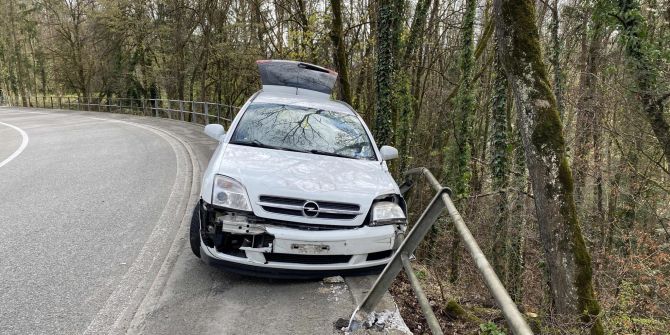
{"points": [[194, 232]]}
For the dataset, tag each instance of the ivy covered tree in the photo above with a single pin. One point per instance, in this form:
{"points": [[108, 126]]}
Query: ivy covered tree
{"points": [[389, 25], [500, 171], [457, 166]]}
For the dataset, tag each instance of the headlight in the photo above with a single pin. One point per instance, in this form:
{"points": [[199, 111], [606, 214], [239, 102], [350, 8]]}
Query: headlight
{"points": [[386, 212], [229, 193]]}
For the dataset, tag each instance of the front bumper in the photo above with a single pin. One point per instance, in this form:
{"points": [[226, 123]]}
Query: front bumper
{"points": [[254, 270], [279, 251]]}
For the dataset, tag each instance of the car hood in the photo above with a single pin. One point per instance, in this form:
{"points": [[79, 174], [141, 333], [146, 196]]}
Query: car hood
{"points": [[308, 177]]}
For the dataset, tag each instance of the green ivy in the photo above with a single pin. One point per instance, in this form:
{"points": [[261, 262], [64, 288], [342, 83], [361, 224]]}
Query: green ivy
{"points": [[490, 328]]}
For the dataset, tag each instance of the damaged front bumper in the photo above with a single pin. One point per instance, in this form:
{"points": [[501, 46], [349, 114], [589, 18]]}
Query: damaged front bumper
{"points": [[245, 243]]}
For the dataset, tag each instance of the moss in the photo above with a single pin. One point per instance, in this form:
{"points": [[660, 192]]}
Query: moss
{"points": [[523, 62], [455, 310], [586, 300], [547, 135]]}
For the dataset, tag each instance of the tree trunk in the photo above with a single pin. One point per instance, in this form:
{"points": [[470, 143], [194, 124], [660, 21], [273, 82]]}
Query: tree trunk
{"points": [[388, 36], [567, 258], [407, 100], [588, 119], [645, 71], [500, 171], [18, 58], [339, 54], [515, 260], [459, 168], [556, 58]]}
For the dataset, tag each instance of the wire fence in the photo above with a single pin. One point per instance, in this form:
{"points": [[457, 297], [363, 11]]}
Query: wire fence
{"points": [[190, 111]]}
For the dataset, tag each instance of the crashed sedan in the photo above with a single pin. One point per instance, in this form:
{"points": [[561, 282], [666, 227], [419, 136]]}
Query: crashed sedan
{"points": [[297, 186]]}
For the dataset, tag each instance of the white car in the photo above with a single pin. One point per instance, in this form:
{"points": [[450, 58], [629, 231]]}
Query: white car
{"points": [[297, 187]]}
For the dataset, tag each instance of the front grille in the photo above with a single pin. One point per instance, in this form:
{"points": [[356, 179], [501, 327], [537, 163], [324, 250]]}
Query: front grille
{"points": [[294, 207], [307, 259]]}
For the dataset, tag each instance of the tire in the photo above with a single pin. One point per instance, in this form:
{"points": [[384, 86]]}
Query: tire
{"points": [[194, 232]]}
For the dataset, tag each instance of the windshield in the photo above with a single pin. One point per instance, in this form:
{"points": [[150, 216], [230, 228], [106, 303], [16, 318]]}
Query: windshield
{"points": [[295, 128]]}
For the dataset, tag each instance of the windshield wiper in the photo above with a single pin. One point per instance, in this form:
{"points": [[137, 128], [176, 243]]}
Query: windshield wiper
{"points": [[259, 144], [254, 143], [328, 153]]}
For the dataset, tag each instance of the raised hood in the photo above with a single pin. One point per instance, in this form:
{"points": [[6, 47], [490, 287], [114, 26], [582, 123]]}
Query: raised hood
{"points": [[306, 176], [296, 74]]}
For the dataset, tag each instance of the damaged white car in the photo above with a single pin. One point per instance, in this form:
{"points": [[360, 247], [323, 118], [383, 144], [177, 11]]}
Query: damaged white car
{"points": [[297, 186]]}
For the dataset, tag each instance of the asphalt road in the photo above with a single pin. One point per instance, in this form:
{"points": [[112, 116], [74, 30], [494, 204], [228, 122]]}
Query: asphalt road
{"points": [[94, 213]]}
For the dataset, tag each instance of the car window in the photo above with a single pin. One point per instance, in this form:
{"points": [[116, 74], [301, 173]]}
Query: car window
{"points": [[296, 128]]}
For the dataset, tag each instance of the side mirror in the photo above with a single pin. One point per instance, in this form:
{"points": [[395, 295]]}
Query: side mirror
{"points": [[215, 131], [388, 152]]}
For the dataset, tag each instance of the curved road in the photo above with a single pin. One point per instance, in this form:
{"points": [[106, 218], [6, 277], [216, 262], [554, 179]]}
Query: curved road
{"points": [[78, 205], [94, 214]]}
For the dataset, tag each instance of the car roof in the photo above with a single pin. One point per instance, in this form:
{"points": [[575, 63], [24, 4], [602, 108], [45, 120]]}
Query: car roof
{"points": [[301, 97]]}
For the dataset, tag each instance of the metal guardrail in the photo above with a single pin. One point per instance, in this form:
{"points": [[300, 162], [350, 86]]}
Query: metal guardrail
{"points": [[193, 111], [400, 260]]}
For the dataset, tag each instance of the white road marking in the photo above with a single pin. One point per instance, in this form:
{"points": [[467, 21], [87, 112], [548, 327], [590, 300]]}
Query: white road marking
{"points": [[24, 143]]}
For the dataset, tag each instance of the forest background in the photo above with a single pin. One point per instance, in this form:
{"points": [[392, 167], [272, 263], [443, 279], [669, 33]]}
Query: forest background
{"points": [[548, 119]]}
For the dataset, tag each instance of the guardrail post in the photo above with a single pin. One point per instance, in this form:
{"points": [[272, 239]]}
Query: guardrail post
{"points": [[411, 242], [206, 113], [431, 319], [193, 117], [181, 110]]}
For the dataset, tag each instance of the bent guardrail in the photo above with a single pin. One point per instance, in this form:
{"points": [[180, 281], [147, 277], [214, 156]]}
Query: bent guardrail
{"points": [[400, 260], [184, 110]]}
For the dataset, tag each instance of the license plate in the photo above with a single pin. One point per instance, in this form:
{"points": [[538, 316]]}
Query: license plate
{"points": [[310, 248]]}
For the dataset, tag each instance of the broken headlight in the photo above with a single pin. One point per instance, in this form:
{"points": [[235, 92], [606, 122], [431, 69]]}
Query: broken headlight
{"points": [[229, 193], [387, 212]]}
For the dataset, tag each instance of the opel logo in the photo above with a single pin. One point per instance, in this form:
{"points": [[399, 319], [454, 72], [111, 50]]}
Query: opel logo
{"points": [[310, 208]]}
